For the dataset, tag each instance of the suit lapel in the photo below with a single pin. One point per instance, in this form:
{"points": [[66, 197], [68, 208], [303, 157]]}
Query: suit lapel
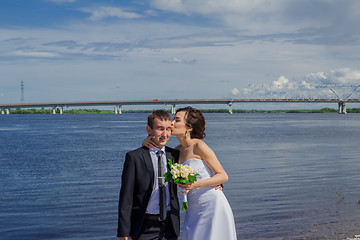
{"points": [[148, 164], [168, 156]]}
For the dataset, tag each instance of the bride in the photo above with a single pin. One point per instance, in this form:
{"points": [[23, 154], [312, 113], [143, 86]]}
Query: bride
{"points": [[209, 215]]}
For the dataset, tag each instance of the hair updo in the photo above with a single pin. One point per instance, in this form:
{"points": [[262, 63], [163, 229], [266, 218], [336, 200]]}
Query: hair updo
{"points": [[194, 119]]}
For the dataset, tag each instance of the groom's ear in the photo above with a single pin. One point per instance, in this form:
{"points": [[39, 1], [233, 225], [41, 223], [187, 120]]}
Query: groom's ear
{"points": [[148, 129]]}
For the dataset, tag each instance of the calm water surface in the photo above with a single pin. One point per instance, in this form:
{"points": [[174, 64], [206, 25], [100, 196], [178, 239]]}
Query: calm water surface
{"points": [[292, 176]]}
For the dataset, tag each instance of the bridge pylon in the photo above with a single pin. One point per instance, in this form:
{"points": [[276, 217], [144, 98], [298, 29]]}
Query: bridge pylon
{"points": [[230, 108], [5, 111], [173, 109], [342, 107], [118, 109]]}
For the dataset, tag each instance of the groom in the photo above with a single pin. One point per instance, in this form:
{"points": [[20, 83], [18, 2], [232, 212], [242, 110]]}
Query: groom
{"points": [[139, 204]]}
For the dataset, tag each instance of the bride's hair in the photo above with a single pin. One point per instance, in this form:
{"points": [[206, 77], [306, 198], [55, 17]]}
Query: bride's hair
{"points": [[195, 120]]}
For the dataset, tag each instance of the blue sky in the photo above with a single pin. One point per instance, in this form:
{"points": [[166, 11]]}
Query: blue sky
{"points": [[87, 50]]}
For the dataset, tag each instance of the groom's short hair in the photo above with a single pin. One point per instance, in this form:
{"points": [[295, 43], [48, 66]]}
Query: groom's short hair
{"points": [[159, 114]]}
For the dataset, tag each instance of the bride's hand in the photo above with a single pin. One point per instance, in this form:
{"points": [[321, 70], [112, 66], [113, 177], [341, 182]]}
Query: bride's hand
{"points": [[187, 187], [149, 142]]}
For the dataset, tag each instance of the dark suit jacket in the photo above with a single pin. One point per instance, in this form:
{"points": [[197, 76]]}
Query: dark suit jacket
{"points": [[136, 188]]}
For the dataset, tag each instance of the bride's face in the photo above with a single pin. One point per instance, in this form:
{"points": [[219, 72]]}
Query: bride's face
{"points": [[178, 124]]}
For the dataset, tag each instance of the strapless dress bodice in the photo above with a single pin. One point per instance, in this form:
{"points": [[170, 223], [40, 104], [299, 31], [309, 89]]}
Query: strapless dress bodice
{"points": [[200, 168]]}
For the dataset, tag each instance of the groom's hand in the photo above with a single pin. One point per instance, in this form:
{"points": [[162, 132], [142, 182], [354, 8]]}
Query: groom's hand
{"points": [[218, 187], [124, 238]]}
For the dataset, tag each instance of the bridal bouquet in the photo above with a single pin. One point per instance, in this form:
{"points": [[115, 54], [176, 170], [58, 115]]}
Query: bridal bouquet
{"points": [[180, 174]]}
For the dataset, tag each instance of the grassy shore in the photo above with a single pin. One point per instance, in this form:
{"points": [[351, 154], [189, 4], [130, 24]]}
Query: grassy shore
{"points": [[97, 111]]}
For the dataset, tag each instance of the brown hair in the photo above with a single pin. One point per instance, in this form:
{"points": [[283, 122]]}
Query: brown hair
{"points": [[195, 120], [159, 114]]}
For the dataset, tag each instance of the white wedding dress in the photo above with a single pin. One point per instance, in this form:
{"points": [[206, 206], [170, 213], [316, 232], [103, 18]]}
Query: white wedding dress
{"points": [[209, 215]]}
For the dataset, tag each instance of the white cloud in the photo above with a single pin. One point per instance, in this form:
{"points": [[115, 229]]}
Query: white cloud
{"points": [[318, 22], [307, 85], [335, 77], [33, 54], [319, 76], [280, 83], [255, 15], [211, 7], [169, 5], [337, 83], [98, 41], [113, 12], [178, 60], [235, 91], [345, 76]]}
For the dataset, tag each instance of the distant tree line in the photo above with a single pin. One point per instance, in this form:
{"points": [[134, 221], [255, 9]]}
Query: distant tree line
{"points": [[97, 111], [49, 111]]}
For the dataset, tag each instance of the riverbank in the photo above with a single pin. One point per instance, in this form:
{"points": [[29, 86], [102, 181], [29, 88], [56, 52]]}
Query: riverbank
{"points": [[97, 111]]}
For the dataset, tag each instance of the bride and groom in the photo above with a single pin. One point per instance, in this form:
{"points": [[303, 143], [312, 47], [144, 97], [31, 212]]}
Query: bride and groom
{"points": [[145, 213]]}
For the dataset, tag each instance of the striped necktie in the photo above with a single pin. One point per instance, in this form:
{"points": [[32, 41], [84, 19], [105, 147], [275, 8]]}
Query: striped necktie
{"points": [[162, 188]]}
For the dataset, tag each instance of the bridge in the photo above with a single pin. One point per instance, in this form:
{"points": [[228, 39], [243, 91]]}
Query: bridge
{"points": [[5, 108]]}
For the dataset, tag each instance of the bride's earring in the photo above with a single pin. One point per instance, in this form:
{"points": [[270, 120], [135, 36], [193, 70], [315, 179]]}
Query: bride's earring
{"points": [[187, 134]]}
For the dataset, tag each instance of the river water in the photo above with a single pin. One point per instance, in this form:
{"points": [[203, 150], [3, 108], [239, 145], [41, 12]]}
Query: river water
{"points": [[291, 176]]}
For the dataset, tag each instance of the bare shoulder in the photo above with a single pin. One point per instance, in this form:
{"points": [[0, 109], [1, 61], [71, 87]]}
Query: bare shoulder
{"points": [[200, 143], [201, 147]]}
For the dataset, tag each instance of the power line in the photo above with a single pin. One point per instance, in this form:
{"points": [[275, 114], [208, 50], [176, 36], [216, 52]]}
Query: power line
{"points": [[22, 92]]}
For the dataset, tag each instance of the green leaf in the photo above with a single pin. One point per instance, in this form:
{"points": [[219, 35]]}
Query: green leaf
{"points": [[168, 176], [185, 206], [171, 162], [185, 181], [192, 178], [176, 181]]}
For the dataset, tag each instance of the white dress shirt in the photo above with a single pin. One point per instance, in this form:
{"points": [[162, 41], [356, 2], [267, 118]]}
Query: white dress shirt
{"points": [[153, 206]]}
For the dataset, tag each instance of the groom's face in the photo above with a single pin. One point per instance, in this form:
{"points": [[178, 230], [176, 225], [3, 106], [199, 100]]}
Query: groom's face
{"points": [[161, 131]]}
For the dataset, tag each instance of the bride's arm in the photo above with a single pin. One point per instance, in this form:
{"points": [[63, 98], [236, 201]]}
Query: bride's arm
{"points": [[209, 157]]}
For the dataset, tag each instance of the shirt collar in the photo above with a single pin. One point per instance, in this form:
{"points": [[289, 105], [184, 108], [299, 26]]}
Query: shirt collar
{"points": [[155, 150]]}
